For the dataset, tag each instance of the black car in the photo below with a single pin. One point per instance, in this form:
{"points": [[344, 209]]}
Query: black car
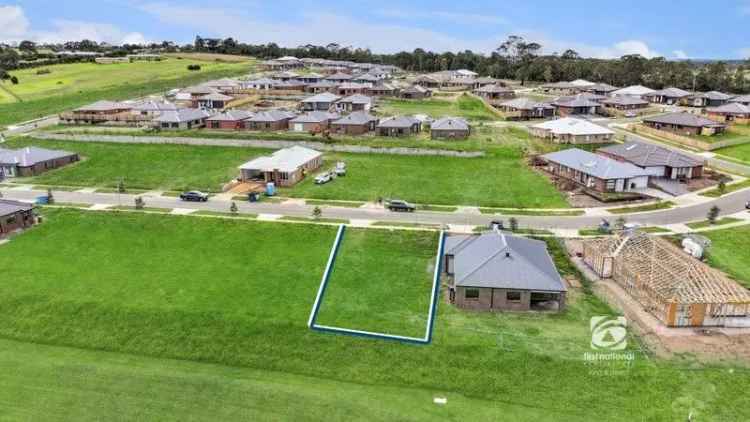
{"points": [[194, 196], [399, 205]]}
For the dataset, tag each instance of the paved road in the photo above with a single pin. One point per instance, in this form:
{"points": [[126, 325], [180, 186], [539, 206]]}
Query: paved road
{"points": [[729, 204]]}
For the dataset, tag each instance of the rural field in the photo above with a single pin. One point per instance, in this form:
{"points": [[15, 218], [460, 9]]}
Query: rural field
{"points": [[355, 290], [466, 106], [729, 252], [247, 328], [72, 85], [500, 179]]}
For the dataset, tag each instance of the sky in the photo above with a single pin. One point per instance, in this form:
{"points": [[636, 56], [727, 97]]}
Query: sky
{"points": [[677, 30]]}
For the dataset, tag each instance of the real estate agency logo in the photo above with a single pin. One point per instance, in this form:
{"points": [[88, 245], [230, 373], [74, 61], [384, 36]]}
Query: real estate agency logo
{"points": [[609, 333]]}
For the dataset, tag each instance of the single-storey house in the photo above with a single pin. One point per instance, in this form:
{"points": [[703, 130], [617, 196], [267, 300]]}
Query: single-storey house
{"points": [[428, 81], [286, 75], [262, 84], [656, 160], [357, 123], [152, 108], [578, 104], [270, 120], [600, 89], [742, 99], [450, 127], [366, 78], [399, 126], [415, 92], [596, 172], [320, 102], [14, 216], [100, 112], [356, 102], [561, 88], [730, 113], [32, 161], [708, 99], [182, 118], [569, 130], [313, 121], [339, 78], [224, 86], [525, 108], [684, 124], [498, 271], [632, 91], [382, 90], [321, 86], [625, 102], [351, 88], [214, 101], [192, 94], [285, 167], [667, 96], [484, 81], [229, 120], [495, 92]]}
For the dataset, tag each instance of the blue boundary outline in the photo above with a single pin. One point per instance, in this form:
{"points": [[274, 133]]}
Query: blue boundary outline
{"points": [[434, 299]]}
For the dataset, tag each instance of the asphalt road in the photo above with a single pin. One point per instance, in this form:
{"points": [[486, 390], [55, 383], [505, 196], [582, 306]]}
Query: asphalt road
{"points": [[729, 204]]}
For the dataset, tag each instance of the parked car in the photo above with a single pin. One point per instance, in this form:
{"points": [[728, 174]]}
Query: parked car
{"points": [[399, 205], [194, 195], [323, 178], [341, 168], [631, 114]]}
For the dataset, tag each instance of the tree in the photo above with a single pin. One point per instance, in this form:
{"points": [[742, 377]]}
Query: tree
{"points": [[14, 80], [139, 203], [713, 214], [27, 46], [513, 221], [317, 212], [233, 208], [120, 186], [722, 187]]}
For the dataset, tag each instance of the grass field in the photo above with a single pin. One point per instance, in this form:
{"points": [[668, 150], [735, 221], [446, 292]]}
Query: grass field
{"points": [[464, 106], [500, 179], [732, 187], [733, 133], [145, 167], [197, 289], [72, 85], [719, 222], [361, 282], [505, 181], [739, 152], [729, 252]]}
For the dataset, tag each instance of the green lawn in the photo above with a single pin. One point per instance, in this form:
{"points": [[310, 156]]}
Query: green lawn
{"points": [[238, 293], [731, 187], [734, 132], [738, 152], [660, 205], [501, 179], [381, 282], [144, 167], [720, 222], [729, 252], [465, 106], [72, 85]]}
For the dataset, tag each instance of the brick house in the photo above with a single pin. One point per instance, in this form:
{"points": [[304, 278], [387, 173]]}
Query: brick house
{"points": [[399, 126], [687, 124], [32, 161], [181, 119], [415, 92], [708, 99], [313, 121], [357, 123], [229, 120], [450, 128], [596, 172], [356, 102], [729, 113], [667, 96], [320, 102], [494, 93], [270, 120], [578, 104], [285, 167], [15, 216], [498, 271], [525, 109], [656, 160], [625, 102], [569, 130]]}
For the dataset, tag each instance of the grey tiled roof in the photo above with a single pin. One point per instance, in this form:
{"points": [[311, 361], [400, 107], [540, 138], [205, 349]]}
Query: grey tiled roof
{"points": [[670, 92], [525, 104], [625, 100], [315, 117], [450, 123], [356, 118], [8, 207], [29, 156], [504, 261], [730, 108], [105, 105], [576, 101], [182, 115], [325, 97], [649, 155], [356, 99], [714, 95], [231, 116], [399, 122], [683, 119], [594, 165], [272, 116]]}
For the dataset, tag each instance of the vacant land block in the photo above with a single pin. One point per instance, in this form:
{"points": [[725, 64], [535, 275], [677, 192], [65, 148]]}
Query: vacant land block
{"points": [[464, 106], [72, 85], [730, 251], [381, 283]]}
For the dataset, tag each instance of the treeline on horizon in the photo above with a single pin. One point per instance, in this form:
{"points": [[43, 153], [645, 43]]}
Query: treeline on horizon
{"points": [[516, 58]]}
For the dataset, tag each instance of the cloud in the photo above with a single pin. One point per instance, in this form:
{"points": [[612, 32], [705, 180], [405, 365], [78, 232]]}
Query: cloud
{"points": [[744, 53], [14, 27], [680, 54], [453, 17]]}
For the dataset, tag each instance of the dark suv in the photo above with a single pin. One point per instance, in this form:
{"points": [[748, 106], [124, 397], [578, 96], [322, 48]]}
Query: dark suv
{"points": [[399, 205], [195, 196]]}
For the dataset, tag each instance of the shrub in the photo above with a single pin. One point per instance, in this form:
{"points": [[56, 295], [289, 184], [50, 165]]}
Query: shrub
{"points": [[194, 67], [317, 212], [233, 208], [44, 71], [139, 203]]}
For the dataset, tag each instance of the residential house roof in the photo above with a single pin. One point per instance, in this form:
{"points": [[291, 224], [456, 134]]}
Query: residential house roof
{"points": [[625, 100], [182, 115], [271, 116], [357, 99], [199, 90], [315, 117], [415, 89], [104, 105], [339, 76], [356, 118], [9, 207], [741, 99], [285, 75], [231, 116], [29, 156], [601, 87], [730, 108], [402, 122], [649, 155], [216, 96], [582, 83], [670, 92], [575, 102], [633, 90], [153, 105], [450, 123], [525, 104], [683, 119], [594, 165], [286, 160], [504, 261], [713, 95], [323, 97], [493, 89], [573, 126]]}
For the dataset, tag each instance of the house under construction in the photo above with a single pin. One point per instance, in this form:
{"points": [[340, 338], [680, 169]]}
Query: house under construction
{"points": [[673, 286]]}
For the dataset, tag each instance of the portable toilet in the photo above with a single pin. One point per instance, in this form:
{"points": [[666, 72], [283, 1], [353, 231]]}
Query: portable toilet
{"points": [[270, 189]]}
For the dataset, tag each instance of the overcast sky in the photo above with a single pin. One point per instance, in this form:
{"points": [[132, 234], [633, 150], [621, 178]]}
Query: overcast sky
{"points": [[684, 29]]}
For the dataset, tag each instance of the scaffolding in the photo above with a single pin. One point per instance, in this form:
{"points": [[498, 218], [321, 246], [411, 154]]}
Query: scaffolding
{"points": [[676, 288]]}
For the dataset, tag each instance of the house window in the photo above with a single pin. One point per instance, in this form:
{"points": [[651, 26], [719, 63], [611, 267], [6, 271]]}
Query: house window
{"points": [[471, 294], [611, 184], [513, 296]]}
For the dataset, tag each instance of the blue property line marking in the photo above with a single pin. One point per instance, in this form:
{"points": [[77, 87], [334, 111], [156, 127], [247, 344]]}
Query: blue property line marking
{"points": [[434, 299]]}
